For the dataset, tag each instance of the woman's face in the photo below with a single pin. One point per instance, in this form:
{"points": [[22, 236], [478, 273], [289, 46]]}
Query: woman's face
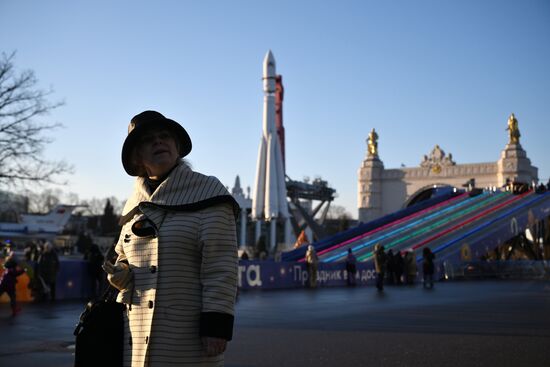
{"points": [[158, 152]]}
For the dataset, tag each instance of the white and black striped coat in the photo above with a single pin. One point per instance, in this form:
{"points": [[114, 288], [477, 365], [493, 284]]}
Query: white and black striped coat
{"points": [[180, 243]]}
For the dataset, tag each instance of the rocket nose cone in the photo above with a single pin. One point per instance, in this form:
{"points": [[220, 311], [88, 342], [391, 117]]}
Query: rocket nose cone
{"points": [[269, 64], [269, 57]]}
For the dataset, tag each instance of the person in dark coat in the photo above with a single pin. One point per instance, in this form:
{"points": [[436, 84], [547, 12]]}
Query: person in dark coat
{"points": [[48, 267], [351, 267], [428, 267], [391, 267], [8, 281], [398, 265], [410, 268], [380, 265], [97, 275]]}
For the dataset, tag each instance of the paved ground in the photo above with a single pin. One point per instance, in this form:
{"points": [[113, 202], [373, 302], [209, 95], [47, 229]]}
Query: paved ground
{"points": [[486, 323]]}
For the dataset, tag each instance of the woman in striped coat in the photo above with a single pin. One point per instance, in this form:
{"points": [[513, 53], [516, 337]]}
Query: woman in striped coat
{"points": [[177, 254]]}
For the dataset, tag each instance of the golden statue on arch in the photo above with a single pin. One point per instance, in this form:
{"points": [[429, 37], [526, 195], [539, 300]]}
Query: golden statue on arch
{"points": [[372, 143], [513, 129]]}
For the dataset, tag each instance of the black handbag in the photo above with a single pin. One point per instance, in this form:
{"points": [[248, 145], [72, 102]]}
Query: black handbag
{"points": [[100, 332]]}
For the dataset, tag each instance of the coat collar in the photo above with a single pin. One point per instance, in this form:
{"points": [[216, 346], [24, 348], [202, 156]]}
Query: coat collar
{"points": [[182, 190]]}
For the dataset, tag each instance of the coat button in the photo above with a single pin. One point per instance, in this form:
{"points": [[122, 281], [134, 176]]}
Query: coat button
{"points": [[127, 235], [150, 304], [153, 269]]}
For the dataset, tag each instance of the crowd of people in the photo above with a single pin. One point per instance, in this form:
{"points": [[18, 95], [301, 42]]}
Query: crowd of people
{"points": [[390, 268], [541, 188], [401, 268], [40, 262]]}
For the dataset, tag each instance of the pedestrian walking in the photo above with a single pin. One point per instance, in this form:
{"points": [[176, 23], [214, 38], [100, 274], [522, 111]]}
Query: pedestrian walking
{"points": [[380, 266], [399, 266], [351, 267], [390, 267], [428, 267], [95, 259], [8, 281], [410, 267], [312, 263], [48, 268]]}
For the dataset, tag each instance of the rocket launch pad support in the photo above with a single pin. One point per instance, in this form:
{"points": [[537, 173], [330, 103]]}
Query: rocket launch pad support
{"points": [[308, 219], [317, 190]]}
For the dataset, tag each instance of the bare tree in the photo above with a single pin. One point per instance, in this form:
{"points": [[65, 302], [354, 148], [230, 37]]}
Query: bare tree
{"points": [[95, 206], [117, 204], [22, 138], [341, 215], [44, 201], [47, 199], [337, 212]]}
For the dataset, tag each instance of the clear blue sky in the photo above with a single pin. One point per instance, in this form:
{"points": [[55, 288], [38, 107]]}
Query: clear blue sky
{"points": [[420, 72]]}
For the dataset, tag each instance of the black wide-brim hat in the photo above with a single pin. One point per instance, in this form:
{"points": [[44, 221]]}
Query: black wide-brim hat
{"points": [[147, 121]]}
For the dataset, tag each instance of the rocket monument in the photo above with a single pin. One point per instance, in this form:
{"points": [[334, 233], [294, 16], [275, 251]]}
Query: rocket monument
{"points": [[269, 201]]}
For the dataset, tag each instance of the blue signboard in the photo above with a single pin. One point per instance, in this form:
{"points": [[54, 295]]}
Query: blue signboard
{"points": [[276, 275]]}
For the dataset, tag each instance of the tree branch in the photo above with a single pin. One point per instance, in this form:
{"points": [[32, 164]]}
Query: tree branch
{"points": [[22, 138]]}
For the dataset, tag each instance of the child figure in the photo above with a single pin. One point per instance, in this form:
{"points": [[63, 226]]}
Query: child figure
{"points": [[9, 279]]}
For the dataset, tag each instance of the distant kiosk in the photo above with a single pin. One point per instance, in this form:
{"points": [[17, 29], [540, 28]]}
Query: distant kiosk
{"points": [[382, 191]]}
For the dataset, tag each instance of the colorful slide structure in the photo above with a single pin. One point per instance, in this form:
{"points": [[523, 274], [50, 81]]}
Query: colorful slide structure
{"points": [[459, 228]]}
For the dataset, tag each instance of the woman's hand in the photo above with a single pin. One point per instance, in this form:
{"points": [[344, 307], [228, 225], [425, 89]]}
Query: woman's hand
{"points": [[214, 346], [119, 275]]}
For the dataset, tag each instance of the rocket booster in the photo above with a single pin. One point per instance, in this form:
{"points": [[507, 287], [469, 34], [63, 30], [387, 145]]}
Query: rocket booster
{"points": [[269, 199]]}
